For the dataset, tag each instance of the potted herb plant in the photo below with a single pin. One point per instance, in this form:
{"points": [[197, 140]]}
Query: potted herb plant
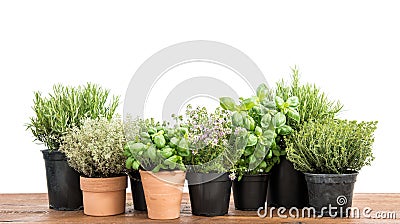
{"points": [[330, 153], [209, 160], [158, 153], [264, 118], [132, 133], [62, 109], [95, 151], [287, 186]]}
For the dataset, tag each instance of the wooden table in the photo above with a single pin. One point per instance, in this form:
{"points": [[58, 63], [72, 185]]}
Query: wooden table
{"points": [[30, 208]]}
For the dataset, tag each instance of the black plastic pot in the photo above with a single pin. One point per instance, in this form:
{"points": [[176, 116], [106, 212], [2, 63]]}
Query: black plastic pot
{"points": [[209, 193], [250, 193], [335, 190], [139, 201], [287, 186], [63, 184]]}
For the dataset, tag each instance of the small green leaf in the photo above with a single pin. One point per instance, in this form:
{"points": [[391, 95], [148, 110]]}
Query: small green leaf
{"points": [[285, 130], [151, 151], [159, 140], [266, 120], [248, 103], [294, 114], [166, 152], [259, 152], [258, 131], [279, 120], [237, 119], [135, 165], [293, 101], [227, 103], [262, 91], [252, 140], [174, 142], [268, 137], [279, 102], [183, 147]]}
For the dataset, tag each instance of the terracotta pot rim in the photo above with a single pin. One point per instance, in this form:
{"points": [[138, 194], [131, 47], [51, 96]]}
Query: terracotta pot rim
{"points": [[95, 184]]}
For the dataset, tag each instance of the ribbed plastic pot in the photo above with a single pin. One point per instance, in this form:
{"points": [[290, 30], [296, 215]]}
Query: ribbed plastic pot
{"points": [[163, 193], [104, 196], [62, 182], [335, 190], [209, 193], [250, 193], [287, 186], [139, 201]]}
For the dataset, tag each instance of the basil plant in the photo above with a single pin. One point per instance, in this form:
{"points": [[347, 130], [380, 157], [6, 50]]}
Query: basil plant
{"points": [[264, 118], [157, 147]]}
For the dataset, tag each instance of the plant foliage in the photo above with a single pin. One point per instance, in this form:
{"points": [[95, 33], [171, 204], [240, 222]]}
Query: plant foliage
{"points": [[208, 135], [314, 104], [264, 118], [65, 108], [96, 148], [157, 147], [331, 146]]}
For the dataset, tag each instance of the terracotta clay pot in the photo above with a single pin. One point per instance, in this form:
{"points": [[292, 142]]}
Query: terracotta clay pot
{"points": [[104, 196], [163, 193]]}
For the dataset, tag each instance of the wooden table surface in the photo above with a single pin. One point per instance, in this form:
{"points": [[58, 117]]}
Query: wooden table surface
{"points": [[31, 208]]}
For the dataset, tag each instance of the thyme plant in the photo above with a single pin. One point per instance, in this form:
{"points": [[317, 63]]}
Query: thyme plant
{"points": [[95, 149], [331, 146], [65, 108]]}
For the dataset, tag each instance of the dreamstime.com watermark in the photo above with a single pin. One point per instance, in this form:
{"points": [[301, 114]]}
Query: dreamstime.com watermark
{"points": [[330, 211]]}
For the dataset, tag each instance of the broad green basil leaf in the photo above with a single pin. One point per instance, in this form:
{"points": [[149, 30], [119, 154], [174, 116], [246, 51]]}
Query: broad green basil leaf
{"points": [[294, 114], [279, 102], [167, 152], [183, 147], [252, 140], [268, 137], [151, 151], [144, 135], [266, 120], [248, 103], [285, 130], [174, 142], [279, 120], [262, 91], [269, 104], [237, 119], [227, 103], [159, 140], [258, 131], [293, 101], [136, 147], [259, 152], [252, 162]]}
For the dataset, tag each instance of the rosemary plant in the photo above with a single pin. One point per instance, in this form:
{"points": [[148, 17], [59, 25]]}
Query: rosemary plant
{"points": [[65, 108], [314, 104]]}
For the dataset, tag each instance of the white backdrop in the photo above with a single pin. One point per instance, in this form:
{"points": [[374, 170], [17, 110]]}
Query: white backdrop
{"points": [[349, 48]]}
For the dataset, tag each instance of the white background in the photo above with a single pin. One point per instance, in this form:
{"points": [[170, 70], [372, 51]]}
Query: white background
{"points": [[349, 48]]}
